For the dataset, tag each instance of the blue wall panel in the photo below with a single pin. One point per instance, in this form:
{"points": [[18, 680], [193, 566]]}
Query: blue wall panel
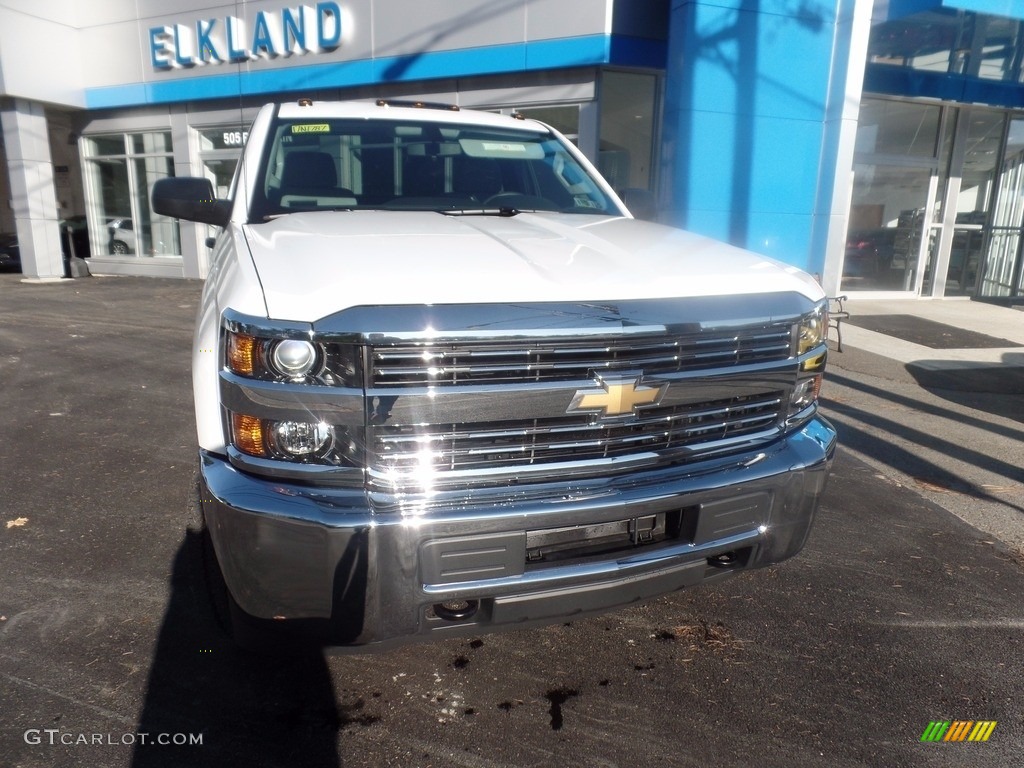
{"points": [[750, 88], [784, 177], [755, 63], [781, 236]]}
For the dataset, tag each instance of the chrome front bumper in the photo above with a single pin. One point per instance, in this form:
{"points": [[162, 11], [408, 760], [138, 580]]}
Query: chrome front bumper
{"points": [[373, 576]]}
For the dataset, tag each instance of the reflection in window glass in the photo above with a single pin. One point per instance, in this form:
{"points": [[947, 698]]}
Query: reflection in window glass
{"points": [[897, 128], [953, 42], [981, 155], [109, 179], [105, 145], [1009, 210], [157, 235], [118, 185], [565, 120], [931, 41], [223, 137], [964, 257], [220, 171], [1002, 262], [1003, 247], [375, 164], [977, 176], [627, 128], [220, 148], [886, 222], [1001, 49], [151, 143]]}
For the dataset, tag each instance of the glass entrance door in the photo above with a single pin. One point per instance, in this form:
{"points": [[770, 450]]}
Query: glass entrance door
{"points": [[1002, 275], [893, 204], [886, 229], [970, 197]]}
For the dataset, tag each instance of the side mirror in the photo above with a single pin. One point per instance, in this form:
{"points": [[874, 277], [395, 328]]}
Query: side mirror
{"points": [[190, 198], [641, 203]]}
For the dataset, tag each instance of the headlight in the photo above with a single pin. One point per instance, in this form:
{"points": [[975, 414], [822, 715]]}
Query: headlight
{"points": [[293, 358], [295, 440], [811, 333], [812, 329], [286, 372], [286, 359], [300, 438]]}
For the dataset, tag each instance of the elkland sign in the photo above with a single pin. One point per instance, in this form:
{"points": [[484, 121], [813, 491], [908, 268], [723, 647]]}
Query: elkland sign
{"points": [[291, 31]]}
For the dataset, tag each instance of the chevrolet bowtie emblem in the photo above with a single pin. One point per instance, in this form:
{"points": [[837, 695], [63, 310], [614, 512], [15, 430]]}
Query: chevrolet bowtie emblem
{"points": [[617, 395]]}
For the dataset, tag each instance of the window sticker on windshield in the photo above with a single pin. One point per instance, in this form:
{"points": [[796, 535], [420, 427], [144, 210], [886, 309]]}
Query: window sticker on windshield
{"points": [[311, 128], [503, 147], [523, 150]]}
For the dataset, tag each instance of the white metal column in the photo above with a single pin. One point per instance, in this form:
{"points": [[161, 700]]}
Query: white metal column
{"points": [[33, 199]]}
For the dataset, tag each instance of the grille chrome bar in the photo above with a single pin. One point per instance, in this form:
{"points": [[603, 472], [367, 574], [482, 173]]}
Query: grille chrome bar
{"points": [[671, 432], [505, 362]]}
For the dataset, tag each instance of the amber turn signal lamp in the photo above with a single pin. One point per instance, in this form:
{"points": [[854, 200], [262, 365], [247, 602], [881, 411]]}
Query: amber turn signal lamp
{"points": [[248, 434], [241, 353]]}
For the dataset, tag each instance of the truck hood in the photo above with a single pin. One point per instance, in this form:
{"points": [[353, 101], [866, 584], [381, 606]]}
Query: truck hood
{"points": [[315, 264]]}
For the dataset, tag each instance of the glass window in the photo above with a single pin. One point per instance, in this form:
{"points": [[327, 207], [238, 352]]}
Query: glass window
{"points": [[953, 42], [105, 145], [413, 165], [120, 172], [885, 229], [1001, 48], [565, 120], [220, 149], [935, 41], [150, 143], [1009, 209], [1003, 273], [981, 156], [157, 235], [983, 138], [223, 137], [899, 128], [628, 102], [220, 172]]}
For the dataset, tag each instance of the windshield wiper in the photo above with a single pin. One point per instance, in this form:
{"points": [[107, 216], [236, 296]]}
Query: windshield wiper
{"points": [[504, 211], [317, 209]]}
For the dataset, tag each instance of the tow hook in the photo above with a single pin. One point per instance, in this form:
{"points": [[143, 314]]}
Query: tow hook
{"points": [[456, 610], [726, 560]]}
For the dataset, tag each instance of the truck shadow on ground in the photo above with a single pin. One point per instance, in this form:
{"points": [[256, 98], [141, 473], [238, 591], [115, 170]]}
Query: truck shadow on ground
{"points": [[249, 709]]}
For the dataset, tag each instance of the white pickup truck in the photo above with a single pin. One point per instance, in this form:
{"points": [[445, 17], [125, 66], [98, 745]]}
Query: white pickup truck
{"points": [[445, 383]]}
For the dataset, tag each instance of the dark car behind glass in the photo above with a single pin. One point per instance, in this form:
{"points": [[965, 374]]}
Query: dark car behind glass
{"points": [[74, 241], [10, 254]]}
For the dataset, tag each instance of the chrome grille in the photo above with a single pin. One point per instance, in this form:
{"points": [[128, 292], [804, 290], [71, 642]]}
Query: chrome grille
{"points": [[671, 432], [412, 365]]}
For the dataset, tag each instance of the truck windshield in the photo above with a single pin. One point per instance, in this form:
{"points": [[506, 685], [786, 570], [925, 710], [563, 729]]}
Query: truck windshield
{"points": [[333, 164]]}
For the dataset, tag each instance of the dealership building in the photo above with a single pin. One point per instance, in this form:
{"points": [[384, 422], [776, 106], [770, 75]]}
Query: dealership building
{"points": [[879, 145]]}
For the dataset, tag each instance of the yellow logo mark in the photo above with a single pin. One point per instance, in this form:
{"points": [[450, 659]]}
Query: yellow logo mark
{"points": [[617, 395]]}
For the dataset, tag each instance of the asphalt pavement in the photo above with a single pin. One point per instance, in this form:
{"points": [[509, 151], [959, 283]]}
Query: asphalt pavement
{"points": [[942, 413], [898, 613]]}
